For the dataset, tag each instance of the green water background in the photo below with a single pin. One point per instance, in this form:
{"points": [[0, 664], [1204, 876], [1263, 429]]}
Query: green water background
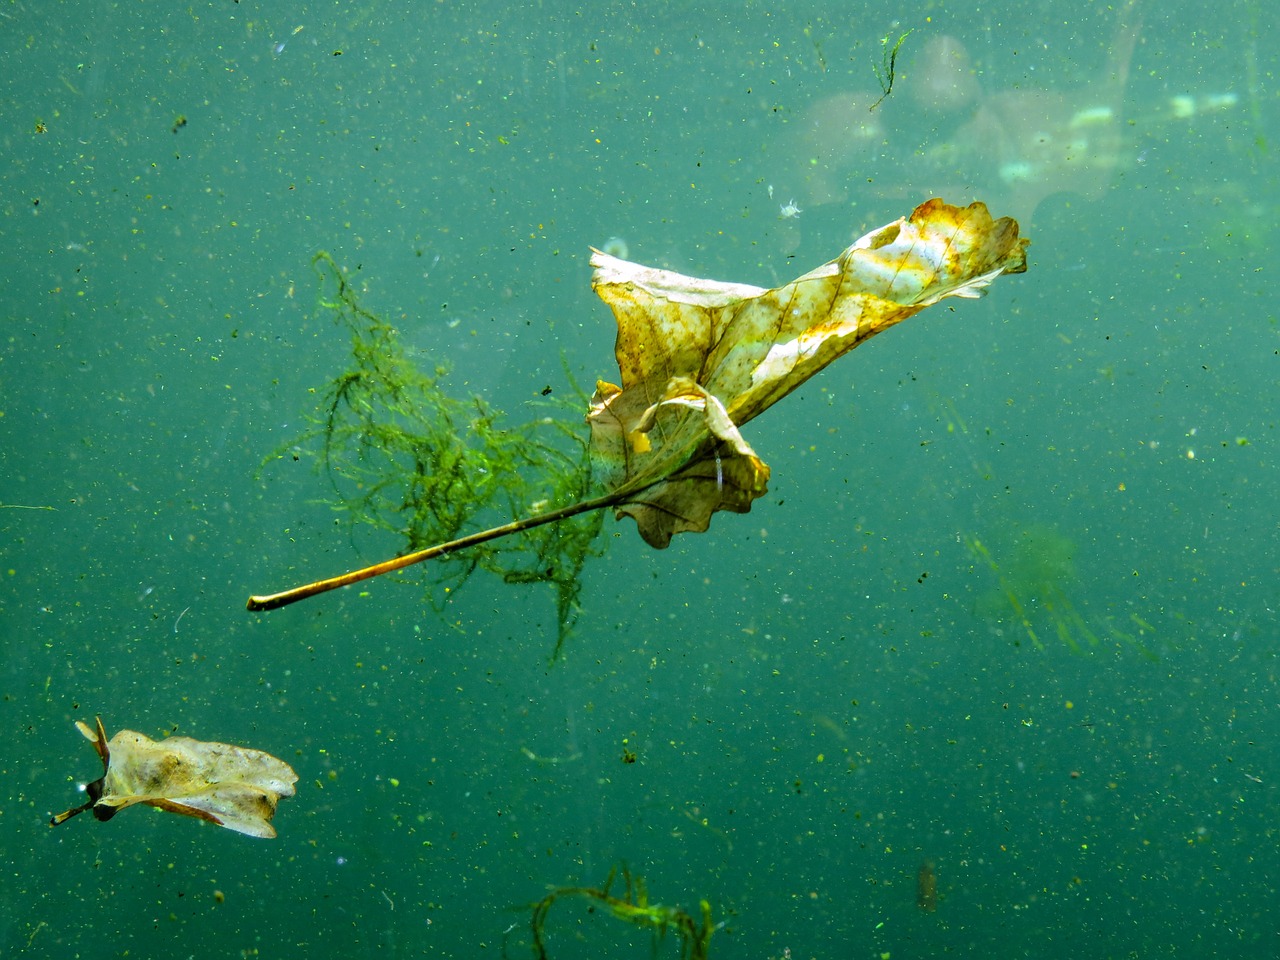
{"points": [[819, 695]]}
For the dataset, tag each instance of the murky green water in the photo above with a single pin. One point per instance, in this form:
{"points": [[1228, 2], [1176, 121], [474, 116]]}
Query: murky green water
{"points": [[873, 669]]}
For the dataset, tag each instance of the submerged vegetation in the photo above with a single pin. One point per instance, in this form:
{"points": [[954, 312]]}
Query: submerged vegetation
{"points": [[633, 907], [1034, 580], [884, 71], [405, 456], [1032, 588]]}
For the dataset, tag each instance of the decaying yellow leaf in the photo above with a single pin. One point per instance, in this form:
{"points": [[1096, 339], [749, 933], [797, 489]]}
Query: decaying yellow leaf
{"points": [[233, 787], [700, 358]]}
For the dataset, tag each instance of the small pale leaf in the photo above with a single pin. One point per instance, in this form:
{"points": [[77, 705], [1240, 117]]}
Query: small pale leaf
{"points": [[233, 787]]}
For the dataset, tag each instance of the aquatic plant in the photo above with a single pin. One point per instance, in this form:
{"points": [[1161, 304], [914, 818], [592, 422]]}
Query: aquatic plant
{"points": [[633, 907], [1035, 579], [1032, 585], [405, 456]]}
